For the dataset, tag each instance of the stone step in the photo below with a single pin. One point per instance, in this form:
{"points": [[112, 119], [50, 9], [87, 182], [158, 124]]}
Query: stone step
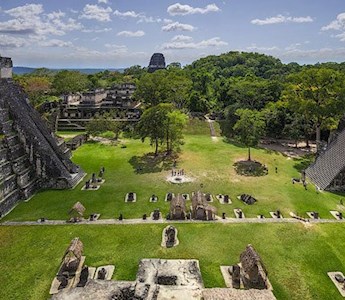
{"points": [[15, 152], [76, 178], [5, 169], [30, 188], [8, 185], [26, 177], [12, 140], [9, 201]]}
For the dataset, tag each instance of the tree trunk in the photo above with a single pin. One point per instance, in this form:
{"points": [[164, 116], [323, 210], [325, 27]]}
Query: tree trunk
{"points": [[318, 138], [249, 158], [156, 151]]}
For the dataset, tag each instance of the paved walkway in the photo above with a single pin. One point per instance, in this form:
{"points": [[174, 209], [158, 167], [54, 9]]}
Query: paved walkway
{"points": [[164, 221], [212, 130]]}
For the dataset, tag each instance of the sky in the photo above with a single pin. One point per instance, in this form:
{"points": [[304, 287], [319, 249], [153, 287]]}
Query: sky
{"points": [[123, 33]]}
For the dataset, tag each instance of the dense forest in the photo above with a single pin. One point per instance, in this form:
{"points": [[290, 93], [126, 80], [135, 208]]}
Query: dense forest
{"points": [[297, 102]]}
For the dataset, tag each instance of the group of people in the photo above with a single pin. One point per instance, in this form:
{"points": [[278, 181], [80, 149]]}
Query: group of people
{"points": [[177, 172]]}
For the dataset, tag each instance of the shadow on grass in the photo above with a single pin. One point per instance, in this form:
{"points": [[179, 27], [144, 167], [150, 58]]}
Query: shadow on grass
{"points": [[303, 162], [149, 163], [234, 142]]}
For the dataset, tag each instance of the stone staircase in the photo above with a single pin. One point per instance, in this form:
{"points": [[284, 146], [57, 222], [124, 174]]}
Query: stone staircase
{"points": [[18, 178], [329, 164], [30, 156]]}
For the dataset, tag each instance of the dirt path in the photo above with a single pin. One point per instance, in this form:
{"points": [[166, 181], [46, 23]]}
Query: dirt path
{"points": [[163, 221], [212, 130]]}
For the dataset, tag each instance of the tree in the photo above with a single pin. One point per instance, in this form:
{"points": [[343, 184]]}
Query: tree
{"points": [[70, 82], [164, 86], [36, 87], [151, 88], [175, 123], [162, 123], [151, 125], [318, 95], [249, 128], [102, 124], [178, 88]]}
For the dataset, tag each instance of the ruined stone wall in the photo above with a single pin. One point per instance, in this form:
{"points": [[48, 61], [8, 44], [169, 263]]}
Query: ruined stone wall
{"points": [[5, 67]]}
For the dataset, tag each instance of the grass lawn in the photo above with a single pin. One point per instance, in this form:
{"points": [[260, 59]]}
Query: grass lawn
{"points": [[209, 162], [297, 258]]}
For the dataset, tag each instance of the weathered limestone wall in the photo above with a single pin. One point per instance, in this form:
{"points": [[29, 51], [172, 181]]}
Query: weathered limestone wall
{"points": [[5, 67]]}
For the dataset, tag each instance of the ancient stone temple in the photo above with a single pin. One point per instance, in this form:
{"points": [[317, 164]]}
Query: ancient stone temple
{"points": [[253, 272], [157, 62], [178, 208], [328, 171], [201, 210], [30, 156]]}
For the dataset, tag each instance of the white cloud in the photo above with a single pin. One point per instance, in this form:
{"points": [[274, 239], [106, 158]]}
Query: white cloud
{"points": [[55, 43], [254, 47], [114, 48], [141, 16], [180, 9], [26, 11], [144, 19], [95, 12], [180, 42], [30, 20], [341, 36], [103, 1], [181, 38], [11, 42], [178, 26], [126, 33], [337, 24], [97, 30], [131, 14], [282, 19]]}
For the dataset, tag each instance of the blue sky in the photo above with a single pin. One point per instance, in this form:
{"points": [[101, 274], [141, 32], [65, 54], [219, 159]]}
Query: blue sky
{"points": [[122, 33]]}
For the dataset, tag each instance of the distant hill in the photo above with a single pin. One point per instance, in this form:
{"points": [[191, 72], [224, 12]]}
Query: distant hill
{"points": [[27, 70]]}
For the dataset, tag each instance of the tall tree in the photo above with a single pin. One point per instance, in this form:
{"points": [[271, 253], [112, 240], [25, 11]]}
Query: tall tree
{"points": [[104, 123], [174, 124], [151, 125], [162, 123], [164, 86], [249, 128], [37, 87], [317, 94], [70, 82]]}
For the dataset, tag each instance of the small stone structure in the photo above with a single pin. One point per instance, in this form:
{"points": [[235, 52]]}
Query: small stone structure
{"points": [[70, 270], [339, 281], [276, 214], [247, 199], [253, 272], [169, 237], [77, 141], [77, 212], [201, 210], [178, 208], [131, 197], [5, 67]]}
